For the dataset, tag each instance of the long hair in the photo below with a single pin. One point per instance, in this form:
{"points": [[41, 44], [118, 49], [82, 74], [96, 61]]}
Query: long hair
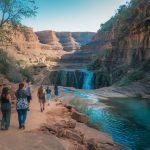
{"points": [[5, 92]]}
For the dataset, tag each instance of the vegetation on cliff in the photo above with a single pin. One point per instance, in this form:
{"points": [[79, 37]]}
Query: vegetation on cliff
{"points": [[127, 58], [124, 19], [14, 73], [12, 12]]}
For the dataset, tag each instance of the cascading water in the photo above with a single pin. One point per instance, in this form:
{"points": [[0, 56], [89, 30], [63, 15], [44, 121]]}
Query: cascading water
{"points": [[88, 79], [80, 79], [76, 81]]}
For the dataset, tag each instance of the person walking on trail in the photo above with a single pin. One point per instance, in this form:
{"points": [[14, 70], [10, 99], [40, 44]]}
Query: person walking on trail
{"points": [[29, 93], [48, 94], [5, 108], [21, 105], [41, 96], [56, 92]]}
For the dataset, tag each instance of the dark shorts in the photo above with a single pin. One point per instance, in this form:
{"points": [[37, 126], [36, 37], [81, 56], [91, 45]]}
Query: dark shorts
{"points": [[29, 98]]}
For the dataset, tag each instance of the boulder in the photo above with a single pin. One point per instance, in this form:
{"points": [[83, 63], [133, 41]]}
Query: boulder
{"points": [[79, 116]]}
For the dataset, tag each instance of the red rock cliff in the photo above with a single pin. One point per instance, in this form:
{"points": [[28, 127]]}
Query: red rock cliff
{"points": [[135, 43]]}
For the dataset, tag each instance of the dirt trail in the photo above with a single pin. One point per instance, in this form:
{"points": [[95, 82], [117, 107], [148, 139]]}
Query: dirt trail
{"points": [[15, 138]]}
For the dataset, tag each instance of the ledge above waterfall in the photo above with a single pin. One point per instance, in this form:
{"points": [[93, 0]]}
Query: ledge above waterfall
{"points": [[81, 78]]}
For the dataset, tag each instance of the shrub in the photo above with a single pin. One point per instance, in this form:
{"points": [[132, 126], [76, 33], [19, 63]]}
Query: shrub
{"points": [[125, 17], [12, 72], [130, 77], [28, 73], [8, 68]]}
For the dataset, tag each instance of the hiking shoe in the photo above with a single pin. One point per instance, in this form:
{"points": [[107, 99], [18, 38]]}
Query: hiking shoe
{"points": [[20, 127], [23, 127]]}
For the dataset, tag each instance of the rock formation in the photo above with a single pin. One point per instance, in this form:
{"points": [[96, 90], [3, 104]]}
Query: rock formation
{"points": [[69, 40], [135, 42], [50, 38], [124, 46]]}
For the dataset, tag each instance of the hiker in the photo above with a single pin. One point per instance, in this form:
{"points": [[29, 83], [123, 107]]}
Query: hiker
{"points": [[48, 94], [56, 92], [29, 93], [5, 108], [21, 105], [41, 96]]}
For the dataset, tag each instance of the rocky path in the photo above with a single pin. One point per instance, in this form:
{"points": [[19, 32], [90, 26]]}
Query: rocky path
{"points": [[29, 139], [50, 131]]}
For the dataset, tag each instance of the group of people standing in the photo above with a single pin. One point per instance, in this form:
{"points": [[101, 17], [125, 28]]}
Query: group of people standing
{"points": [[23, 98], [44, 94]]}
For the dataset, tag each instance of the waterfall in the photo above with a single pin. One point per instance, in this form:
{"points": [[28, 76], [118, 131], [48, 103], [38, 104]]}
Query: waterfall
{"points": [[76, 81], [81, 79], [88, 79]]}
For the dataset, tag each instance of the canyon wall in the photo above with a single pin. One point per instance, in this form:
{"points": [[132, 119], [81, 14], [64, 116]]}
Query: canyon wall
{"points": [[122, 50], [68, 40], [134, 44], [27, 39]]}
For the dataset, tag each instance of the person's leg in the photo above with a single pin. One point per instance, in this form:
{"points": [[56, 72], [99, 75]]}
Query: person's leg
{"points": [[41, 107], [48, 98], [8, 114], [24, 117], [20, 117], [3, 119]]}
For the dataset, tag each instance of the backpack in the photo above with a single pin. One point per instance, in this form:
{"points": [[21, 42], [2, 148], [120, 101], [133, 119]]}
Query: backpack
{"points": [[22, 103], [41, 94]]}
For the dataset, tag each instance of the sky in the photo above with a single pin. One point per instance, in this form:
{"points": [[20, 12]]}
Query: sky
{"points": [[72, 15]]}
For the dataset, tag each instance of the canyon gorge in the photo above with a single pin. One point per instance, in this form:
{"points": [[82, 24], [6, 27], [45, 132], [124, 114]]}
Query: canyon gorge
{"points": [[104, 74]]}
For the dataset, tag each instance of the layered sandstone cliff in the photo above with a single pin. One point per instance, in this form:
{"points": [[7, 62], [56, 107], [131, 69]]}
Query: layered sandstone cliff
{"points": [[69, 40], [26, 49], [26, 39], [49, 38], [134, 43], [123, 50]]}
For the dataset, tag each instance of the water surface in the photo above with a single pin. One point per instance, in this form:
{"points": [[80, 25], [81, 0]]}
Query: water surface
{"points": [[126, 120]]}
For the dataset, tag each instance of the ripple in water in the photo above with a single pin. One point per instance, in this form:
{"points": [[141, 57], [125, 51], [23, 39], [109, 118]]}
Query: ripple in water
{"points": [[126, 120]]}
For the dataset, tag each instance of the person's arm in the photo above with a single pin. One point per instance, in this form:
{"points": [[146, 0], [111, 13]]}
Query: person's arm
{"points": [[16, 94], [9, 98]]}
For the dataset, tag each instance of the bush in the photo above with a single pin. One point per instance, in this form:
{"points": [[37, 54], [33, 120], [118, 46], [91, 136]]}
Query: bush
{"points": [[14, 75], [125, 17], [12, 72], [8, 68], [131, 77], [28, 73]]}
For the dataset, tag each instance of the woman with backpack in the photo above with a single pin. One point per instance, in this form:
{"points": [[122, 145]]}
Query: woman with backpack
{"points": [[48, 94], [41, 96], [21, 105], [5, 108]]}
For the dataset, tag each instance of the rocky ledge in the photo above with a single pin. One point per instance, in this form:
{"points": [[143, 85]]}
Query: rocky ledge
{"points": [[75, 135]]}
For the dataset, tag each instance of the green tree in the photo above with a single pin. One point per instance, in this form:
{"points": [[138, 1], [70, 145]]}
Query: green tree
{"points": [[11, 14]]}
